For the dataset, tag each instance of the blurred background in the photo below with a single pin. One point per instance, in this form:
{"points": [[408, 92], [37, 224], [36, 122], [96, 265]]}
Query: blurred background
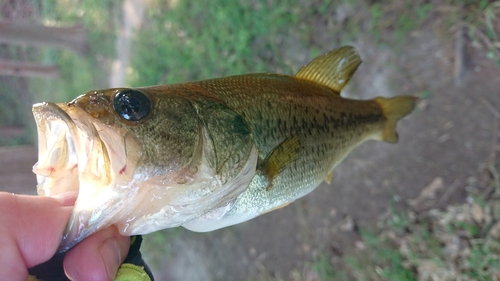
{"points": [[427, 208]]}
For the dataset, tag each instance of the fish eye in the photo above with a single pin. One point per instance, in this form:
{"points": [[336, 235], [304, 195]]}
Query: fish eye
{"points": [[132, 105]]}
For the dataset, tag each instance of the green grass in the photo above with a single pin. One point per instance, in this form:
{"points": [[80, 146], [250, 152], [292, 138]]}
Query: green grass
{"points": [[191, 41], [323, 267], [386, 261]]}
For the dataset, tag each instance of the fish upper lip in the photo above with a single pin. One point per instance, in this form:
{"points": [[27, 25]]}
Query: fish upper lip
{"points": [[50, 107]]}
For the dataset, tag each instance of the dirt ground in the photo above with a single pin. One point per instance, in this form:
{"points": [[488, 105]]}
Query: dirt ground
{"points": [[448, 136]]}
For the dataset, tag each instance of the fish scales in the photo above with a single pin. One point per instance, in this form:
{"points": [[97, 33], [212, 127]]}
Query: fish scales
{"points": [[326, 124]]}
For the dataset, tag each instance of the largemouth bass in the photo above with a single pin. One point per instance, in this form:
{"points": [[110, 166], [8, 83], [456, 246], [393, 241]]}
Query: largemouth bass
{"points": [[207, 154]]}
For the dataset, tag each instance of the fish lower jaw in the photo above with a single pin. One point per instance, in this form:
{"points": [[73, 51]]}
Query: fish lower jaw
{"points": [[94, 210]]}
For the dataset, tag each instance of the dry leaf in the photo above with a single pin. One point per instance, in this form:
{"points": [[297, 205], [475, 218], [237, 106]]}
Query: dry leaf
{"points": [[477, 213], [428, 193], [495, 230]]}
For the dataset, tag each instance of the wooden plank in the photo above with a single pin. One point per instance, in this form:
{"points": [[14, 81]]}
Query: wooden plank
{"points": [[7, 132], [28, 69], [16, 165], [27, 33]]}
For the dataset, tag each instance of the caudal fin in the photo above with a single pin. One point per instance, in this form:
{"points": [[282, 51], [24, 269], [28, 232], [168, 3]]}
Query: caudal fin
{"points": [[394, 109]]}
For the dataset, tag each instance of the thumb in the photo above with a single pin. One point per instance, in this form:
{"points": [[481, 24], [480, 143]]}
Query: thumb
{"points": [[98, 256]]}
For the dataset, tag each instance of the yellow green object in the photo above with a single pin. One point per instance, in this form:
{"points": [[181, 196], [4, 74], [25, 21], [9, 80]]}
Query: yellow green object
{"points": [[131, 272]]}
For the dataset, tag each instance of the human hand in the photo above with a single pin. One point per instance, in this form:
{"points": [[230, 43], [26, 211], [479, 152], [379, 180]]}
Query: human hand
{"points": [[31, 229]]}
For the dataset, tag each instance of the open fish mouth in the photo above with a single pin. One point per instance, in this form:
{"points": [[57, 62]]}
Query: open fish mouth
{"points": [[69, 149], [73, 155]]}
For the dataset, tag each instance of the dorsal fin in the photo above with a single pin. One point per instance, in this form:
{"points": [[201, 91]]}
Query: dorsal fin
{"points": [[333, 69]]}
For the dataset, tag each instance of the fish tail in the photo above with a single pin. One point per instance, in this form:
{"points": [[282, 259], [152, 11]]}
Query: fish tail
{"points": [[394, 109]]}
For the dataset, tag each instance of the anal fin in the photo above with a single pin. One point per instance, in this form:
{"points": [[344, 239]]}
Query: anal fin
{"points": [[328, 178], [279, 207]]}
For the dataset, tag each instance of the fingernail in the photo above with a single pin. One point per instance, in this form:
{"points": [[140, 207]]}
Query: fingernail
{"points": [[111, 256]]}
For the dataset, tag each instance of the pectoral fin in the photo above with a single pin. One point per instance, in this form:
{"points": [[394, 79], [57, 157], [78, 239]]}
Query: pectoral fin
{"points": [[333, 69], [279, 158]]}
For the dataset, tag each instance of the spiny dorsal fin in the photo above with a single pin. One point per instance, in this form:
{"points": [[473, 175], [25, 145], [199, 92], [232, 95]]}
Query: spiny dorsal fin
{"points": [[333, 69]]}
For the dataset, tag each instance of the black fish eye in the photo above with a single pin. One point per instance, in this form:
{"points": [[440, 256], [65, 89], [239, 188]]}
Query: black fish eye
{"points": [[131, 105]]}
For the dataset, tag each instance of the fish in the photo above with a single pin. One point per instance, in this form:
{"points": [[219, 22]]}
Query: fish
{"points": [[206, 154]]}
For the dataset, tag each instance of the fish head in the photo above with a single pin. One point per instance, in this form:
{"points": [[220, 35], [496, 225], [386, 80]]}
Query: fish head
{"points": [[141, 159], [85, 145]]}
